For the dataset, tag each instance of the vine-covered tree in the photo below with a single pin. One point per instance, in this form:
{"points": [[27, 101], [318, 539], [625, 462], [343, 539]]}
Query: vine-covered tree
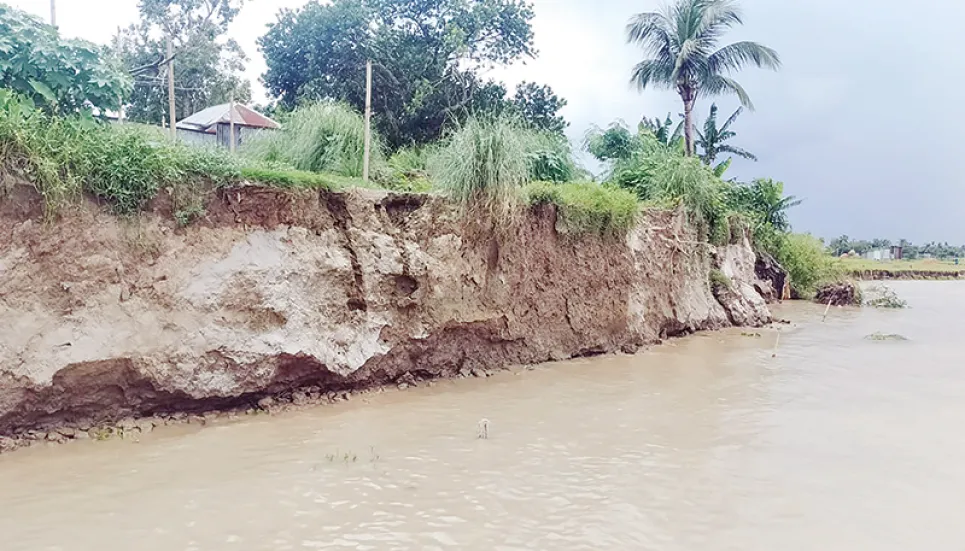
{"points": [[207, 64], [682, 44], [57, 74], [426, 57]]}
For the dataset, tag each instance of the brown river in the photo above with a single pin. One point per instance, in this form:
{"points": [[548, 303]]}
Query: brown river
{"points": [[709, 442]]}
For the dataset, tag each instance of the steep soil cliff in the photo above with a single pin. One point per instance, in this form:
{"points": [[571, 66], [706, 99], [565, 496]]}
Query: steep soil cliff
{"points": [[103, 318]]}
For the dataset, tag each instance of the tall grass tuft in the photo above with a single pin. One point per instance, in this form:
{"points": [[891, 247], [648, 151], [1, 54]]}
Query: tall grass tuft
{"points": [[483, 165], [322, 137]]}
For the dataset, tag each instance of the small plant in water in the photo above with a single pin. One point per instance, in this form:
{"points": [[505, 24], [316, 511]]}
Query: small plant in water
{"points": [[886, 337], [880, 296]]}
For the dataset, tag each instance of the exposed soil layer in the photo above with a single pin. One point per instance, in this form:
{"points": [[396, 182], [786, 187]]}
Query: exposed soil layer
{"points": [[273, 291], [845, 293]]}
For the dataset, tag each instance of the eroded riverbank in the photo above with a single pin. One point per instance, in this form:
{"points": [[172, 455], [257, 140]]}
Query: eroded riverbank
{"points": [[711, 441], [274, 292]]}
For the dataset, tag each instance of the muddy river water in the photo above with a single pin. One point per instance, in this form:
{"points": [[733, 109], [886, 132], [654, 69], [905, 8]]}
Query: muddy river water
{"points": [[709, 442]]}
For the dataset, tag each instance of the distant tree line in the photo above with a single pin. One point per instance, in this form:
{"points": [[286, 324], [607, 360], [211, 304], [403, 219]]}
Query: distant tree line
{"points": [[910, 251]]}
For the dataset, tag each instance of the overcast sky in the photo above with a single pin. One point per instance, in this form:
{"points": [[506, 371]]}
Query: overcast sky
{"points": [[860, 123]]}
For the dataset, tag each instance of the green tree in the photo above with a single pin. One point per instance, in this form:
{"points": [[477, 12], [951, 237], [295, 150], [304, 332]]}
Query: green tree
{"points": [[426, 57], [540, 107], [682, 42], [713, 139], [616, 143], [59, 75], [207, 64]]}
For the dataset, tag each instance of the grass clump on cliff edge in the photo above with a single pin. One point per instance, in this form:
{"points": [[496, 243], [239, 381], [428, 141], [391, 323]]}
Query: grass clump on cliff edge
{"points": [[322, 137], [64, 157], [483, 165], [587, 207], [659, 174]]}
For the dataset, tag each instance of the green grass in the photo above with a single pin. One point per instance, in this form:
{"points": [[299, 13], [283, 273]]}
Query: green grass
{"points": [[482, 166], [659, 175], [924, 265], [124, 166], [587, 207], [718, 280], [322, 137]]}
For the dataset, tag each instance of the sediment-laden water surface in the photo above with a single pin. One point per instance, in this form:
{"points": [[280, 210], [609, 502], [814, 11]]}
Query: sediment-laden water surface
{"points": [[839, 441]]}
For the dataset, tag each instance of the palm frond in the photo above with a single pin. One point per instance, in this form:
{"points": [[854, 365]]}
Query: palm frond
{"points": [[716, 16], [651, 30], [731, 119], [737, 151], [718, 84], [736, 56], [653, 72]]}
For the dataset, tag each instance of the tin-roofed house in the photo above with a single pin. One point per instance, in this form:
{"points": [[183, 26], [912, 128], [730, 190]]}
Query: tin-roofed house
{"points": [[212, 126]]}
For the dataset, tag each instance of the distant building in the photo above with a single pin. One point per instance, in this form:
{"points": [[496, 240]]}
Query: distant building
{"points": [[879, 254], [212, 126]]}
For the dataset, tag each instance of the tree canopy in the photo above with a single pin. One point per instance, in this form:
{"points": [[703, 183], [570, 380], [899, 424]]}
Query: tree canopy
{"points": [[207, 65], [57, 74], [426, 56], [681, 43]]}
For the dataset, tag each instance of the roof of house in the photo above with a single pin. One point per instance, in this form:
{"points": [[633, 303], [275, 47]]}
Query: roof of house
{"points": [[207, 120]]}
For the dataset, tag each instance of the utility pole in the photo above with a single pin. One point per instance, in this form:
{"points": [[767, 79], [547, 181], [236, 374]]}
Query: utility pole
{"points": [[231, 124], [53, 13], [173, 116], [368, 120]]}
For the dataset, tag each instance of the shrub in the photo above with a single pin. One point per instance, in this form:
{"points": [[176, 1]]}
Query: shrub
{"points": [[806, 262], [550, 157], [411, 161], [660, 174], [322, 137], [587, 207], [483, 165]]}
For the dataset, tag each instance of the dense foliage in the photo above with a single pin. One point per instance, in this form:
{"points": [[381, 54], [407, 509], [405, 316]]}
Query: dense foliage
{"points": [[426, 55], [207, 64], [125, 166], [681, 42], [56, 74]]}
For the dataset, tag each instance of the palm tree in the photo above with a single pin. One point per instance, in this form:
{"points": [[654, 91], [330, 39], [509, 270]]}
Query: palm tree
{"points": [[682, 42], [712, 139]]}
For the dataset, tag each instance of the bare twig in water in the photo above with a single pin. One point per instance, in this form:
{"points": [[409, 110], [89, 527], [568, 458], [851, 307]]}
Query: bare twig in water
{"points": [[484, 428]]}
